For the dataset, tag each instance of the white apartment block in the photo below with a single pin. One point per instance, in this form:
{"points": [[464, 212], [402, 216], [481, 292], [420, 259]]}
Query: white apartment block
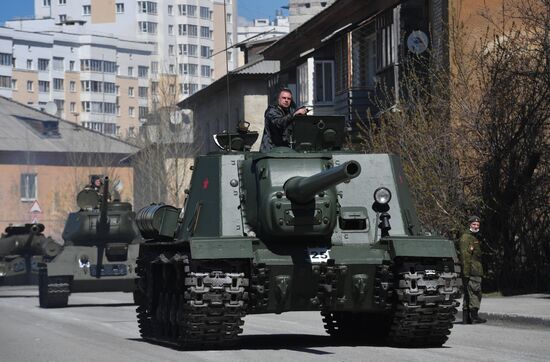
{"points": [[300, 11], [97, 81], [264, 28], [185, 33]]}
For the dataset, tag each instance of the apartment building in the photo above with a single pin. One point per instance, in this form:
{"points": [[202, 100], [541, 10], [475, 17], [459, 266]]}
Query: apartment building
{"points": [[185, 34], [99, 82], [300, 11]]}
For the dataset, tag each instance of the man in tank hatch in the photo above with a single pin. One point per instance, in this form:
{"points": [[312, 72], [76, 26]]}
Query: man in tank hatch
{"points": [[278, 121]]}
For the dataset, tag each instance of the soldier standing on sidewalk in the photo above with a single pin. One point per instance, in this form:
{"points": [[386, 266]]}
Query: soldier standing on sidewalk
{"points": [[472, 271]]}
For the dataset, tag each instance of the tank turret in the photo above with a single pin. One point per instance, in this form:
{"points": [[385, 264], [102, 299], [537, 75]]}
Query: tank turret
{"points": [[22, 247]]}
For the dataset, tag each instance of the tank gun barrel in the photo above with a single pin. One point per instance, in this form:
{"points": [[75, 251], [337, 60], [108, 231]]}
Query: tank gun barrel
{"points": [[301, 190]]}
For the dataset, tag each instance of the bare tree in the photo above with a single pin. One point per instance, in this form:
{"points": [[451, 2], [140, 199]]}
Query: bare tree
{"points": [[477, 139]]}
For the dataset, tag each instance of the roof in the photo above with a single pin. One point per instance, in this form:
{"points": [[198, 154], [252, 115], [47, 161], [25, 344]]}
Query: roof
{"points": [[260, 67], [19, 132], [311, 34]]}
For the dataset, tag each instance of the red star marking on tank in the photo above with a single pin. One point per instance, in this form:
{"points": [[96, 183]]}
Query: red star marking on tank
{"points": [[205, 183]]}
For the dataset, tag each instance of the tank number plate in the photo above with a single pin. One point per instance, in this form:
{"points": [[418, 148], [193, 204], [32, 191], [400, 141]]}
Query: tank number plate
{"points": [[318, 255]]}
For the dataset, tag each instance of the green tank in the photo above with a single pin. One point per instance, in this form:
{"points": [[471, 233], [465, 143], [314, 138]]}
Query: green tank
{"points": [[22, 247], [100, 251], [312, 228]]}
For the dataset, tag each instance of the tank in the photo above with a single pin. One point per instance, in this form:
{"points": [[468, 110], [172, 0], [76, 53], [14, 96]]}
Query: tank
{"points": [[100, 251], [308, 228], [22, 247]]}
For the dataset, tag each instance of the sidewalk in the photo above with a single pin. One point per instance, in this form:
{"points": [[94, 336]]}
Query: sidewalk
{"points": [[532, 309]]}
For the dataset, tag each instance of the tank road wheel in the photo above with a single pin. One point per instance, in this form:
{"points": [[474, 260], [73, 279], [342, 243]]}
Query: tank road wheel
{"points": [[424, 307], [53, 292], [187, 309]]}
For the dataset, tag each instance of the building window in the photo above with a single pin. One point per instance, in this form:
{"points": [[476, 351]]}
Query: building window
{"points": [[192, 49], [147, 27], [205, 51], [170, 49], [183, 68], [72, 86], [154, 67], [171, 69], [130, 71], [62, 2], [143, 111], [58, 84], [58, 64], [72, 107], [29, 64], [192, 30], [62, 18], [205, 32], [154, 87], [182, 9], [14, 84], [131, 111], [182, 49], [170, 10], [143, 92], [71, 65], [46, 2], [6, 59], [86, 9], [192, 11], [205, 13], [43, 64], [29, 86], [170, 29], [229, 18], [143, 72], [119, 8], [147, 7], [205, 71], [43, 86], [386, 48], [28, 186], [324, 81], [193, 69], [130, 91], [5, 81]]}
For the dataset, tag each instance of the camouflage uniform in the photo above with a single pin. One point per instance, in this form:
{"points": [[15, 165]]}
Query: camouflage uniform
{"points": [[472, 274], [277, 127]]}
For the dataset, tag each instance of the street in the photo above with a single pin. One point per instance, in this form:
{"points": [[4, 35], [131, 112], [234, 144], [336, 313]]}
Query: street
{"points": [[102, 326]]}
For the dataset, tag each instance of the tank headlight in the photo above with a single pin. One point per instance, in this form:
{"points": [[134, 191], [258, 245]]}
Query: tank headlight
{"points": [[382, 195]]}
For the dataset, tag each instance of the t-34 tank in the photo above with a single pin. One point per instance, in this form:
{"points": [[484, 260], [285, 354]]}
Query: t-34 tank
{"points": [[304, 229], [22, 247], [100, 251]]}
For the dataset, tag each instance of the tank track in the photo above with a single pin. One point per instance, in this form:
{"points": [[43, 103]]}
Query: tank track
{"points": [[259, 289], [425, 308], [189, 309], [53, 292]]}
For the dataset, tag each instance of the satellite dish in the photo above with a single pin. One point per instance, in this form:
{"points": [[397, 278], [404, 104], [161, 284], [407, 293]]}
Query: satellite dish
{"points": [[51, 108]]}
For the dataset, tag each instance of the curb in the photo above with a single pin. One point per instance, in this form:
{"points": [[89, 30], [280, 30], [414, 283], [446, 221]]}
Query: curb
{"points": [[512, 319]]}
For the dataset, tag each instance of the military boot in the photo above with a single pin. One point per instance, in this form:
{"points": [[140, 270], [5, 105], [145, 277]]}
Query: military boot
{"points": [[466, 316], [476, 319]]}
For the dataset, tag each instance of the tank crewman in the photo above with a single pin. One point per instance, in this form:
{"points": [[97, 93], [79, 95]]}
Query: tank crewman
{"points": [[96, 184], [472, 271], [278, 121]]}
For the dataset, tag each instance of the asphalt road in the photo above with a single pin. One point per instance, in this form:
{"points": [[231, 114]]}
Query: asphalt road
{"points": [[102, 327]]}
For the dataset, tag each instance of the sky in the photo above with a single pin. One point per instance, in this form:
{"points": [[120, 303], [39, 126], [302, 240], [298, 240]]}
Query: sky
{"points": [[249, 9]]}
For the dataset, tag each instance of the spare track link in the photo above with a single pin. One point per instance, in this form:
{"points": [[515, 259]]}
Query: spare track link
{"points": [[187, 309], [53, 292], [425, 308]]}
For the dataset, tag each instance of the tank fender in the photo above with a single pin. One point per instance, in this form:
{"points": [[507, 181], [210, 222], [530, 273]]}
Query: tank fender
{"points": [[221, 248], [421, 247]]}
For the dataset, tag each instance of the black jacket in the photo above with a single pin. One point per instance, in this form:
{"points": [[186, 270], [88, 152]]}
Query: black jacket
{"points": [[277, 127]]}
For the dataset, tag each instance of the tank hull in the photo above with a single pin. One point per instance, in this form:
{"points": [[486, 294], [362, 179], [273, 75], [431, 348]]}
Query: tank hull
{"points": [[243, 247], [75, 271]]}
